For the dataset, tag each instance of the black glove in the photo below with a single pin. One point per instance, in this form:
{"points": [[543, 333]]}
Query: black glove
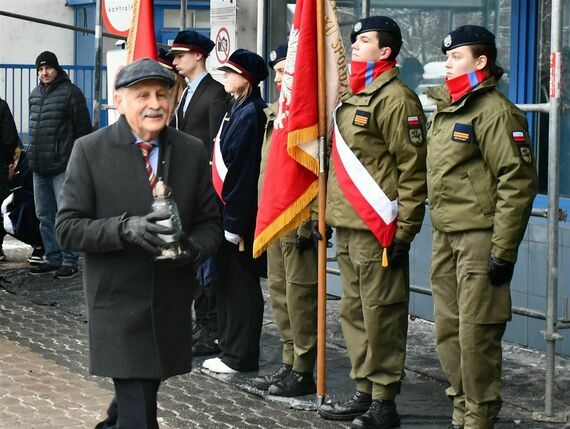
{"points": [[316, 235], [304, 243], [143, 231], [500, 271], [397, 253], [189, 258]]}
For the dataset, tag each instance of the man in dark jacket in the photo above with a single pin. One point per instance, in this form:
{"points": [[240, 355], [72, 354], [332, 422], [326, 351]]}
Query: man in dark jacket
{"points": [[9, 141], [139, 323], [58, 116], [200, 113]]}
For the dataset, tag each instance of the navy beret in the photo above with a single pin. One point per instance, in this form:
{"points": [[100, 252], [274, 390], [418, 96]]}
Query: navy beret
{"points": [[192, 41], [140, 70], [165, 58], [250, 65], [374, 23], [277, 54], [467, 35]]}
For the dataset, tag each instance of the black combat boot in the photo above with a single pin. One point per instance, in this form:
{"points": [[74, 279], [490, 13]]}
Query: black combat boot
{"points": [[347, 410], [263, 382], [206, 344], [295, 384], [381, 415]]}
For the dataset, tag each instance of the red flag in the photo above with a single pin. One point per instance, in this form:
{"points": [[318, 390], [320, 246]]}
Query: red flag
{"points": [[141, 42], [290, 182]]}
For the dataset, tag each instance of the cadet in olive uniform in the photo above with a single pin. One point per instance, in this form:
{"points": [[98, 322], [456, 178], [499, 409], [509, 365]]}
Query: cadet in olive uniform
{"points": [[383, 124], [481, 184], [292, 281]]}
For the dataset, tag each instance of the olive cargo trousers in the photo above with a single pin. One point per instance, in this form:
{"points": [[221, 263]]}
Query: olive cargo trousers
{"points": [[470, 320]]}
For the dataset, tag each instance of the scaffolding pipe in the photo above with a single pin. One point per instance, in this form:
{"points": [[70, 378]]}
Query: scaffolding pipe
{"points": [[551, 333], [183, 11], [97, 66], [57, 24]]}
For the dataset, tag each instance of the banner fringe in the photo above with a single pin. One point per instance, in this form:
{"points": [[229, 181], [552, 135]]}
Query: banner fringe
{"points": [[291, 218], [298, 137]]}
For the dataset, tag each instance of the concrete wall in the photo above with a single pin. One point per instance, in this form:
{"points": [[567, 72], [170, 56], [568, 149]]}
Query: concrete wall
{"points": [[22, 41]]}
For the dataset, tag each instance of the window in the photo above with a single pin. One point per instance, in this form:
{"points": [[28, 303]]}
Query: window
{"points": [[423, 23]]}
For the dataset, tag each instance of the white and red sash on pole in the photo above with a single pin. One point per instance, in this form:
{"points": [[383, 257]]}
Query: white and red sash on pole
{"points": [[367, 198], [219, 168]]}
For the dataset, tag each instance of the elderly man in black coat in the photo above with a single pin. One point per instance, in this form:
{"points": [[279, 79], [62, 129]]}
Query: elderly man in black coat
{"points": [[139, 323]]}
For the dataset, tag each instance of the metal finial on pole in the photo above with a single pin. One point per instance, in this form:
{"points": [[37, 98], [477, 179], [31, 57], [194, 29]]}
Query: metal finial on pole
{"points": [[365, 8]]}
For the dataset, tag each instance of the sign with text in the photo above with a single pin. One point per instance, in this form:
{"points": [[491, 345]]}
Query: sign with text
{"points": [[223, 30], [117, 15]]}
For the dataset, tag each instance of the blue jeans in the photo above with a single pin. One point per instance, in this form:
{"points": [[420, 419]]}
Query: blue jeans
{"points": [[46, 197]]}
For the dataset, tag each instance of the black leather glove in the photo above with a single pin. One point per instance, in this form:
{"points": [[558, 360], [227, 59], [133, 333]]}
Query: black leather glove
{"points": [[500, 271], [304, 243], [143, 231], [316, 235], [189, 258], [397, 253]]}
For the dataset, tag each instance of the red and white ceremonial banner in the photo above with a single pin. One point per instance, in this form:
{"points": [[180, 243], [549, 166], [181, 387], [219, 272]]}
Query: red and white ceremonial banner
{"points": [[141, 42], [367, 198], [290, 182], [219, 167]]}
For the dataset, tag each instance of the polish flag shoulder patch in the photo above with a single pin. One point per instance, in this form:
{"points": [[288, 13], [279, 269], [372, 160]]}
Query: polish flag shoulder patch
{"points": [[519, 136], [413, 121]]}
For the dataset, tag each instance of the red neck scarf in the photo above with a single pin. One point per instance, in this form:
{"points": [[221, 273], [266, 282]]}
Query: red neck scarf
{"points": [[363, 73], [464, 84]]}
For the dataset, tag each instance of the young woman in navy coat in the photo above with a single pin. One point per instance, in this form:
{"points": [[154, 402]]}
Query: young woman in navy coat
{"points": [[239, 141]]}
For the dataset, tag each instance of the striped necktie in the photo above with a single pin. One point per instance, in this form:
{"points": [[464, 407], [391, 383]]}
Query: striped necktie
{"points": [[146, 149]]}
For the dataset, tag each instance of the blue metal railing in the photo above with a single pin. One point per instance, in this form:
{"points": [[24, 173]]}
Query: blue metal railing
{"points": [[18, 80]]}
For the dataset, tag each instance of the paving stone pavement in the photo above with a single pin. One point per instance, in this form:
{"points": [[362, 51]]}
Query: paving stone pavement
{"points": [[35, 392], [42, 322]]}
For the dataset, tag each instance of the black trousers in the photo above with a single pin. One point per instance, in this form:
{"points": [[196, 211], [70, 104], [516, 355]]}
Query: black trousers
{"points": [[205, 306], [134, 405], [240, 310]]}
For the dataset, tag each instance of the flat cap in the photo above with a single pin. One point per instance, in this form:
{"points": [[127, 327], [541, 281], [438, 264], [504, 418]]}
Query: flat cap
{"points": [[277, 54], [374, 23], [165, 58], [250, 65], [467, 35], [140, 70], [192, 41]]}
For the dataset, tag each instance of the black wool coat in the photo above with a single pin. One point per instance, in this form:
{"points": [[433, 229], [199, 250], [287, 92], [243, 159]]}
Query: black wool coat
{"points": [[138, 309], [204, 113]]}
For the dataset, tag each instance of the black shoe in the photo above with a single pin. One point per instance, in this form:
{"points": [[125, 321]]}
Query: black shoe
{"points": [[206, 344], [263, 382], [37, 256], [381, 415], [66, 272], [295, 384], [43, 268], [347, 410]]}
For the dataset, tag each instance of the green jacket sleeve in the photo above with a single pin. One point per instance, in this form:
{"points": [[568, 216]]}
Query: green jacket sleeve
{"points": [[509, 159], [406, 141]]}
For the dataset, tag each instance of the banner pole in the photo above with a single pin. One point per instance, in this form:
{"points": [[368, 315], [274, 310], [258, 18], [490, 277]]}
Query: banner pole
{"points": [[322, 248]]}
